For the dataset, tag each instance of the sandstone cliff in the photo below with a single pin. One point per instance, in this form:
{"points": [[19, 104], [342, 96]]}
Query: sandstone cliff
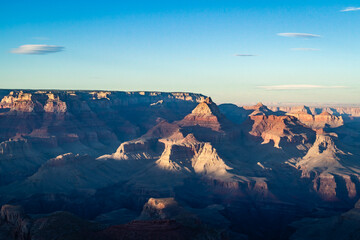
{"points": [[279, 129], [344, 112], [330, 168]]}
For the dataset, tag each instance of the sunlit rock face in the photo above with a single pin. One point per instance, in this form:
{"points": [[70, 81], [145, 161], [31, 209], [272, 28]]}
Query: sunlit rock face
{"points": [[54, 105], [337, 111], [176, 150], [319, 121], [334, 178], [318, 117], [190, 155], [160, 208], [207, 115], [279, 129], [18, 101]]}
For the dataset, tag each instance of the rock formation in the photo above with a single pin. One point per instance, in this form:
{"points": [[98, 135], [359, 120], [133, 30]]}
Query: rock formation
{"points": [[170, 165], [279, 129], [207, 115], [328, 166], [347, 112], [161, 208], [318, 121], [259, 109], [182, 151]]}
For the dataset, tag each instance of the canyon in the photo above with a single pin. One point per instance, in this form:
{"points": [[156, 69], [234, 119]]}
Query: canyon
{"points": [[156, 165]]}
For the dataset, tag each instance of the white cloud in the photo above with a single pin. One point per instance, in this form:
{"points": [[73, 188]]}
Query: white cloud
{"points": [[245, 55], [298, 87], [37, 49], [350, 9], [305, 49], [299, 35]]}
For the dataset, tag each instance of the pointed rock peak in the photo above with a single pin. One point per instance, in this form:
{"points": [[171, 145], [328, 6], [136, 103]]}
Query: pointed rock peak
{"points": [[177, 135], [320, 131], [325, 113], [302, 109], [206, 115], [259, 105], [259, 109], [190, 138], [207, 107], [208, 100]]}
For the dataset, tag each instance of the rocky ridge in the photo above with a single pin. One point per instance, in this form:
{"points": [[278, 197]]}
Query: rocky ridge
{"points": [[345, 112], [249, 163], [279, 128], [176, 150], [38, 125]]}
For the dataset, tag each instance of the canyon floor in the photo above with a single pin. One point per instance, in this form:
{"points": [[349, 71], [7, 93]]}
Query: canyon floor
{"points": [[156, 165]]}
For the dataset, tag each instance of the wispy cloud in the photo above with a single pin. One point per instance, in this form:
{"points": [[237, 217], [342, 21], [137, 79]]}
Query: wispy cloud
{"points": [[298, 87], [350, 9], [305, 49], [299, 35], [245, 55], [37, 49]]}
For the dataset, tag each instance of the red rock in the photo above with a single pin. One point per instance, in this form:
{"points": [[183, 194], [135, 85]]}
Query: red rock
{"points": [[278, 129]]}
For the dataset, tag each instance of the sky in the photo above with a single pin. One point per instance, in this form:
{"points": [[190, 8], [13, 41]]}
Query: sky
{"points": [[240, 51]]}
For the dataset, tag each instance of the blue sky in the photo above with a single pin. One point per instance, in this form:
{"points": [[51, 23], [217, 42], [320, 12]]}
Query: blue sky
{"points": [[229, 50]]}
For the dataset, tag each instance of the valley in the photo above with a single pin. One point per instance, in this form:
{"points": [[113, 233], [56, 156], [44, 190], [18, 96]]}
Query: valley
{"points": [[132, 165]]}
